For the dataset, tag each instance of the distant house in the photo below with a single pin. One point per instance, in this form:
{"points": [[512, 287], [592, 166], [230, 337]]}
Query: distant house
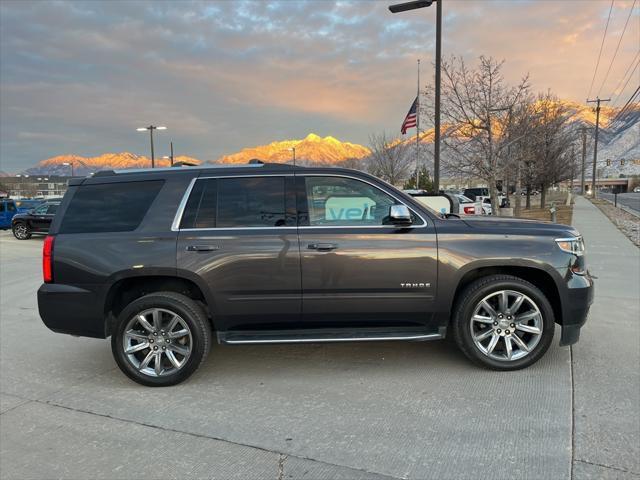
{"points": [[34, 186]]}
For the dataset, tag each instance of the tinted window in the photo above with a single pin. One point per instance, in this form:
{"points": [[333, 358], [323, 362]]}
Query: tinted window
{"points": [[113, 207], [41, 210], [1, 206], [340, 201], [11, 207], [200, 211], [251, 202], [237, 203], [52, 208]]}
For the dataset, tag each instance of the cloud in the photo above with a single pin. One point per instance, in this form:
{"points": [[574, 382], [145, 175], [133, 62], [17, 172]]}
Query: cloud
{"points": [[80, 76]]}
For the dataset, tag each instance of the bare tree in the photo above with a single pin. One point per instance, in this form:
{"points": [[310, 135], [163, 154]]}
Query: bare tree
{"points": [[389, 160], [470, 100], [547, 146]]}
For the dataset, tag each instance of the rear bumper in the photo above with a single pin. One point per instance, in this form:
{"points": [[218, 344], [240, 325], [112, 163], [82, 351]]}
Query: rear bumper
{"points": [[71, 310], [575, 307]]}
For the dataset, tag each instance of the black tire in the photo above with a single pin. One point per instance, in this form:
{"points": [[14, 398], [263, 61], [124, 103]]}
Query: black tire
{"points": [[21, 231], [194, 318], [473, 294]]}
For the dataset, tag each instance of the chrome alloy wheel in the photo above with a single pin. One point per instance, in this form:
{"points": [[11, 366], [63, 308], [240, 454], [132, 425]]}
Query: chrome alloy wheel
{"points": [[506, 325], [20, 231], [157, 342]]}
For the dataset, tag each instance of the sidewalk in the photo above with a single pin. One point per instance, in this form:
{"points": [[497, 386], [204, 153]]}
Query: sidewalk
{"points": [[606, 360]]}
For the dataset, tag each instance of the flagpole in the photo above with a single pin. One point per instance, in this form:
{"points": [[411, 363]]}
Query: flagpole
{"points": [[418, 131]]}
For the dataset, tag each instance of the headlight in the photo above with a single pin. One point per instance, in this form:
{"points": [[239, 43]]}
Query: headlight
{"points": [[574, 245]]}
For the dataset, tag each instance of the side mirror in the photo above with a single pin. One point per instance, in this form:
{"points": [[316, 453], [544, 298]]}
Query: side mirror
{"points": [[400, 215]]}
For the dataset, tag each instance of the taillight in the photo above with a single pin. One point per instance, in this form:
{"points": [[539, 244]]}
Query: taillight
{"points": [[470, 210], [47, 259]]}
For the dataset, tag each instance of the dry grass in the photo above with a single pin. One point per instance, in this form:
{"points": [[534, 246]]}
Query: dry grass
{"points": [[564, 213]]}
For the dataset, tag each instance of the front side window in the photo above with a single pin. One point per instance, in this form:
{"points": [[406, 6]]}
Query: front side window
{"points": [[41, 210], [341, 201], [11, 207], [242, 202], [52, 208]]}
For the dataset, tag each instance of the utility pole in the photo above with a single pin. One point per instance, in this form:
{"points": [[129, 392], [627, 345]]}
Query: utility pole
{"points": [[584, 157], [172, 154], [597, 101]]}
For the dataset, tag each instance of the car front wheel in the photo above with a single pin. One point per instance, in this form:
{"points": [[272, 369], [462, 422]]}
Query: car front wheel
{"points": [[161, 339], [503, 322], [21, 231]]}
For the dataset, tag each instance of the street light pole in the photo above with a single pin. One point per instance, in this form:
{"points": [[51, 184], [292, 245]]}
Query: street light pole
{"points": [[69, 164], [151, 128], [403, 7], [293, 149], [436, 135]]}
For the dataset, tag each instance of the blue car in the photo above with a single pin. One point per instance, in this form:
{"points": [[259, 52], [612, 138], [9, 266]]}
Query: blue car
{"points": [[8, 209]]}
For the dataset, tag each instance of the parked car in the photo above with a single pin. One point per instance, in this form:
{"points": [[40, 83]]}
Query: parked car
{"points": [[469, 207], [37, 220], [636, 190], [8, 209], [167, 261], [24, 205], [481, 194]]}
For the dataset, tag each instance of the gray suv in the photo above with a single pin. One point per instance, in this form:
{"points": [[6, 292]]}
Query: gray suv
{"points": [[165, 260]]}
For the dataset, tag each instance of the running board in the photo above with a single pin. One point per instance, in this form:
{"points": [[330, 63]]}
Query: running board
{"points": [[315, 336]]}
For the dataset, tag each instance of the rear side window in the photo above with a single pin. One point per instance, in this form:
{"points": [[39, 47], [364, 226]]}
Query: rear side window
{"points": [[243, 202], [111, 207]]}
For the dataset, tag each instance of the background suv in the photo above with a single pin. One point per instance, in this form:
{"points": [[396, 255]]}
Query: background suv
{"points": [[36, 220], [166, 260]]}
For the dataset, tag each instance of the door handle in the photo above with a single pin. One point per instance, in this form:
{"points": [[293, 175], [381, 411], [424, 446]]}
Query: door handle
{"points": [[322, 247], [202, 248]]}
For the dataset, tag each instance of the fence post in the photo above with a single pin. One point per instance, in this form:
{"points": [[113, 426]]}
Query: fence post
{"points": [[615, 199]]}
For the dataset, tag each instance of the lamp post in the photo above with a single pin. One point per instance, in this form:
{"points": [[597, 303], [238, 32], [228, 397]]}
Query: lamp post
{"points": [[403, 7], [151, 128], [293, 149], [69, 164]]}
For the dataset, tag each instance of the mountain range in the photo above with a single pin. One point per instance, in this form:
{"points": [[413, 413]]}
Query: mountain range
{"points": [[618, 140]]}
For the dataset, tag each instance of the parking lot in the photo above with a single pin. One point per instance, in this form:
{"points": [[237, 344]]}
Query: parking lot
{"points": [[350, 411]]}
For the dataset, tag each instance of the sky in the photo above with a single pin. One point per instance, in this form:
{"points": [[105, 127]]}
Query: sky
{"points": [[80, 77]]}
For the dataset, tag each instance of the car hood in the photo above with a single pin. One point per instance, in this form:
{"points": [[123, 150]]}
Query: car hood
{"points": [[506, 225]]}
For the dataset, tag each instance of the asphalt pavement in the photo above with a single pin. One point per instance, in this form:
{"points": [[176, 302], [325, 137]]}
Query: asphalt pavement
{"points": [[629, 200], [346, 411]]}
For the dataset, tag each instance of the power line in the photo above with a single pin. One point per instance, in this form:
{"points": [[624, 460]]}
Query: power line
{"points": [[625, 76], [626, 105], [617, 47], [627, 82], [601, 45]]}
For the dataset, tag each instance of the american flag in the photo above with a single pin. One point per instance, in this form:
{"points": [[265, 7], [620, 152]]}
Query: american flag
{"points": [[410, 119]]}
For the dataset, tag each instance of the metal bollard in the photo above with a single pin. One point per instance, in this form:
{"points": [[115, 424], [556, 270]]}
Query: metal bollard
{"points": [[553, 211]]}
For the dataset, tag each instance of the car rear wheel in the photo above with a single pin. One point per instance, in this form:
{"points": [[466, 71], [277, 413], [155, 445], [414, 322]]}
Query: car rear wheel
{"points": [[503, 322], [161, 339], [21, 231]]}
